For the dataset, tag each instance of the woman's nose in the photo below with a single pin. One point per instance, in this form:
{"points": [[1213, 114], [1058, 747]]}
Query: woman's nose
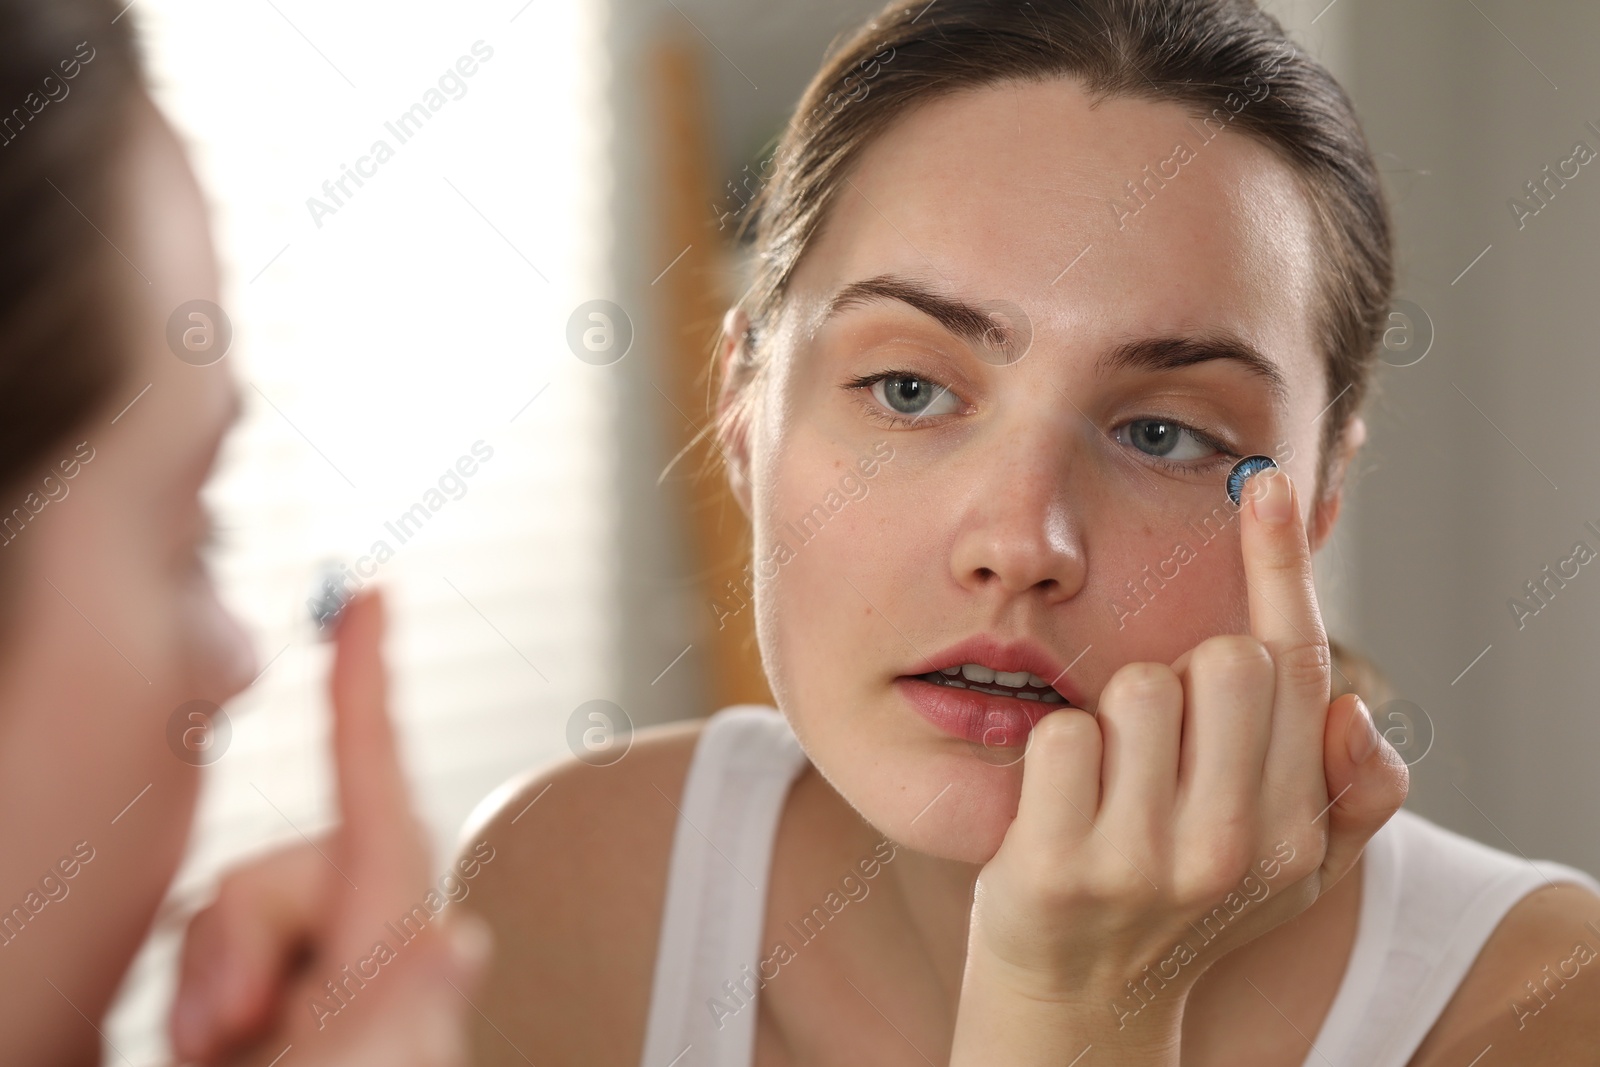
{"points": [[224, 657], [1017, 531]]}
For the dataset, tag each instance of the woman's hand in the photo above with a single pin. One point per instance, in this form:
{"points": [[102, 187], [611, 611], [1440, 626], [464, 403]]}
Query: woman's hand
{"points": [[258, 962], [1203, 804]]}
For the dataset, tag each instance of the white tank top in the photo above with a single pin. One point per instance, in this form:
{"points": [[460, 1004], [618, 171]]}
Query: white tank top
{"points": [[1430, 899]]}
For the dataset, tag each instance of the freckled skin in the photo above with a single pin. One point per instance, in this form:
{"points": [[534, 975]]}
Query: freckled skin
{"points": [[1017, 513]]}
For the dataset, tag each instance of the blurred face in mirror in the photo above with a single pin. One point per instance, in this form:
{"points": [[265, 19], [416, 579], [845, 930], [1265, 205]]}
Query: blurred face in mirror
{"points": [[112, 622], [1022, 493]]}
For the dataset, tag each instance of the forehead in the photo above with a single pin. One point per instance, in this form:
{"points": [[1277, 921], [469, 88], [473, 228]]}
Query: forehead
{"points": [[165, 230], [1024, 192]]}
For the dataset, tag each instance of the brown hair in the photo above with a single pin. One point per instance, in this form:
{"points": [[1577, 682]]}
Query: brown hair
{"points": [[1226, 62], [67, 75]]}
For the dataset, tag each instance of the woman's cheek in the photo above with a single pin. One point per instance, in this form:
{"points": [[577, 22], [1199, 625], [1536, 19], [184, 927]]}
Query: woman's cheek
{"points": [[818, 561], [1164, 596]]}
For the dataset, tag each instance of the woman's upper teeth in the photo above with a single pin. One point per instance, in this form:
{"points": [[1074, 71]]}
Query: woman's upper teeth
{"points": [[977, 672]]}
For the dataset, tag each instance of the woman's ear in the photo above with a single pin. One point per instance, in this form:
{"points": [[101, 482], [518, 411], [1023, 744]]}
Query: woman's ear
{"points": [[732, 433], [1326, 511]]}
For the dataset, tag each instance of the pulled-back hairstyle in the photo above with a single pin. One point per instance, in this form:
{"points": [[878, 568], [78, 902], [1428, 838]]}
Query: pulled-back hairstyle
{"points": [[1225, 62], [68, 71]]}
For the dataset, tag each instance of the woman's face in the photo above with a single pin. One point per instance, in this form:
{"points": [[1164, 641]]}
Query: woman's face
{"points": [[112, 621], [1063, 499]]}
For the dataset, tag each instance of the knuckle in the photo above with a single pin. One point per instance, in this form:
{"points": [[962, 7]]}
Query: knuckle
{"points": [[1217, 870], [1300, 853], [1143, 684], [1231, 651], [1290, 562], [1053, 881], [1231, 654], [1125, 883], [1044, 878], [1063, 730], [1379, 793], [1309, 664], [1109, 880]]}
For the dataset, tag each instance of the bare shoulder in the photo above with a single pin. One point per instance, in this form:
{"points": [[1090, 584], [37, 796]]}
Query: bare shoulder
{"points": [[573, 893], [1534, 991]]}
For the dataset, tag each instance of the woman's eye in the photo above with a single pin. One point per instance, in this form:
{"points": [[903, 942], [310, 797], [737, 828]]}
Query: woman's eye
{"points": [[1166, 440], [907, 394]]}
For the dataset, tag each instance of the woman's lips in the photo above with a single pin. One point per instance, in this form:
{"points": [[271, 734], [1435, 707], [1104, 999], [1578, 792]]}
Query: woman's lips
{"points": [[979, 718]]}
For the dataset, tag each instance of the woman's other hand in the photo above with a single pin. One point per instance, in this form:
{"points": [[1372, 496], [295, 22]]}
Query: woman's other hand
{"points": [[258, 963]]}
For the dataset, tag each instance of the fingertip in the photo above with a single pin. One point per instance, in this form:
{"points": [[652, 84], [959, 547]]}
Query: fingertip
{"points": [[1361, 735], [364, 612], [1396, 771], [1363, 794], [1060, 791], [358, 652], [1063, 726], [1273, 497], [1374, 774]]}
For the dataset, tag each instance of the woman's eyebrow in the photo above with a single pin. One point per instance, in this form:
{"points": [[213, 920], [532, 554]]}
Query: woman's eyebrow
{"points": [[1169, 353], [970, 322], [967, 321]]}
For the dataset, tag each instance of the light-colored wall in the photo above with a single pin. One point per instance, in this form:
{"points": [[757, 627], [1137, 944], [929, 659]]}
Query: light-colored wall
{"points": [[1480, 473], [1450, 513]]}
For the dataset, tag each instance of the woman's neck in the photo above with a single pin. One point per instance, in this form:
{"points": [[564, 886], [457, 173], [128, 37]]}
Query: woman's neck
{"points": [[922, 904], [936, 895]]}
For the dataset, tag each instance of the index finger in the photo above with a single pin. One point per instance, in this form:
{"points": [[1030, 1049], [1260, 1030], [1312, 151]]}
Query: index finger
{"points": [[382, 854], [1284, 617]]}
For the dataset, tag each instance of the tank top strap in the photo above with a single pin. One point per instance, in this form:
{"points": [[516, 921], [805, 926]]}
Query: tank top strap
{"points": [[1430, 900], [702, 996]]}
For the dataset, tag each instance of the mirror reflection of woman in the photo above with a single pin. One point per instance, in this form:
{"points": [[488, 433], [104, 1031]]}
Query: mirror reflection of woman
{"points": [[112, 626]]}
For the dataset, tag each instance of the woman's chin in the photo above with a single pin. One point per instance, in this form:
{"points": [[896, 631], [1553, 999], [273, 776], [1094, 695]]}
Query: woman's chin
{"points": [[974, 845], [941, 796], [965, 817]]}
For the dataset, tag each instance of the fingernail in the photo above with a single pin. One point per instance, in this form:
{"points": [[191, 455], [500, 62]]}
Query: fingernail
{"points": [[1361, 736], [1274, 499]]}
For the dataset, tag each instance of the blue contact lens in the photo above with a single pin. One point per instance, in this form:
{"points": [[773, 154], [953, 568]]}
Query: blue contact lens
{"points": [[329, 595], [1241, 473]]}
